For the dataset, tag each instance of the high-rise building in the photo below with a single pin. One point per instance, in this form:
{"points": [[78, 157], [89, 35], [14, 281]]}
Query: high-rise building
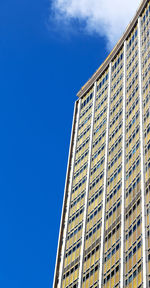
{"points": [[104, 236]]}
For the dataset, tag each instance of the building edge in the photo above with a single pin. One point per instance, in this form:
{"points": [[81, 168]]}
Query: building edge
{"points": [[65, 197]]}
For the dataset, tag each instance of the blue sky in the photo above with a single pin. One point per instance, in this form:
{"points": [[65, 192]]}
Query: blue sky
{"points": [[42, 67]]}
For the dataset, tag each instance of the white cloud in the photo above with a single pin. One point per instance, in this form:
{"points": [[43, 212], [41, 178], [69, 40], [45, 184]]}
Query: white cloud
{"points": [[105, 17]]}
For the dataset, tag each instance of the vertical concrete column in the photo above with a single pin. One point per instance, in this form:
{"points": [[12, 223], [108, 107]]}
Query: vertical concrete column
{"points": [[142, 161], [105, 183], [123, 172], [87, 190]]}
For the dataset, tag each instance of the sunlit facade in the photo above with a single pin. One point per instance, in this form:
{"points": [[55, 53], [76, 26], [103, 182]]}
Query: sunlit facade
{"points": [[104, 236]]}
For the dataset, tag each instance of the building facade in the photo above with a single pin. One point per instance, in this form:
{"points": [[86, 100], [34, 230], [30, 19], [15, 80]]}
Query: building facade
{"points": [[104, 236]]}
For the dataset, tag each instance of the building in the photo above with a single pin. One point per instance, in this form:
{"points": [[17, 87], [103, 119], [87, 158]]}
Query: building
{"points": [[104, 236]]}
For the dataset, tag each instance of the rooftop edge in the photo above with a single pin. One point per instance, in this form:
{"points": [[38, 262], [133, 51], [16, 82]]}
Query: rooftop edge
{"points": [[113, 53]]}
